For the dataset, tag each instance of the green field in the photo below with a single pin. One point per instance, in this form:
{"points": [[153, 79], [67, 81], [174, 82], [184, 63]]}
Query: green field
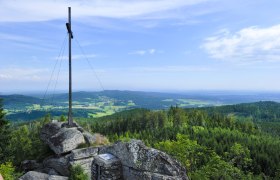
{"points": [[97, 104]]}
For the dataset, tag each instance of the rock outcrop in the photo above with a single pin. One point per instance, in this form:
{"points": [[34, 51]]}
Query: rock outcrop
{"points": [[141, 162], [61, 139], [122, 160]]}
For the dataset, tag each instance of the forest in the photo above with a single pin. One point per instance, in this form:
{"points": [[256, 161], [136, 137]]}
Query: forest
{"points": [[226, 142], [212, 143]]}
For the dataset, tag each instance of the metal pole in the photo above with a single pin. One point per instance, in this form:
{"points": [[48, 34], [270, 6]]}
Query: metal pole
{"points": [[70, 120]]}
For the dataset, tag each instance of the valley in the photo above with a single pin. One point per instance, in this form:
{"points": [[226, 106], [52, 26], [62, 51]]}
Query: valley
{"points": [[103, 103]]}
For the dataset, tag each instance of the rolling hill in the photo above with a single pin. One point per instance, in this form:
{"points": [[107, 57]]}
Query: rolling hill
{"points": [[97, 104]]}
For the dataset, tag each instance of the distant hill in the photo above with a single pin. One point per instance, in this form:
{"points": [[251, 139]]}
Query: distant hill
{"points": [[97, 104], [266, 114], [18, 100], [263, 111]]}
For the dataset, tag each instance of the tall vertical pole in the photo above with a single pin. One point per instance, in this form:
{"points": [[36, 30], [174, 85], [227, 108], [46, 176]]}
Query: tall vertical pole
{"points": [[70, 119]]}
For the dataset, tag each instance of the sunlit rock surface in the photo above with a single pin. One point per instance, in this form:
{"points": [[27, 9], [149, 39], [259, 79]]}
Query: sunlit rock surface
{"points": [[121, 161]]}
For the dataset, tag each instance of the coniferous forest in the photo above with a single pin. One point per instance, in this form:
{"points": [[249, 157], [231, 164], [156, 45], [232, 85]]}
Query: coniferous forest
{"points": [[226, 142]]}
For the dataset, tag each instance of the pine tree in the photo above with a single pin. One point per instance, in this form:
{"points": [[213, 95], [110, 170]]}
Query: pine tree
{"points": [[4, 133]]}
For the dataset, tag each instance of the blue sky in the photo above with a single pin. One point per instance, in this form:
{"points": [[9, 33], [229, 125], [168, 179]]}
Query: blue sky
{"points": [[151, 45]]}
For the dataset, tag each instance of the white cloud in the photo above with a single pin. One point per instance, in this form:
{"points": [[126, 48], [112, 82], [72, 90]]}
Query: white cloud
{"points": [[20, 74], [13, 37], [38, 10], [158, 69], [145, 52], [172, 69], [26, 42], [252, 44], [79, 57]]}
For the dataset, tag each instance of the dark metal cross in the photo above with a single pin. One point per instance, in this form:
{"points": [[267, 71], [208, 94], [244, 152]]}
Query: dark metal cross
{"points": [[68, 26]]}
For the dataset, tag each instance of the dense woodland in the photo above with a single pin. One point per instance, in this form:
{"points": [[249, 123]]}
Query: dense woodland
{"points": [[227, 142], [19, 142], [211, 143]]}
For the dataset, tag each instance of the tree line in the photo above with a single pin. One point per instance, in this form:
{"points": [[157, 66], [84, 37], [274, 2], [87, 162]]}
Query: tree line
{"points": [[209, 145]]}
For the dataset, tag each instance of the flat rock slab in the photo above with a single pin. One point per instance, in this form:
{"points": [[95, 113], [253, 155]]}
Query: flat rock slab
{"points": [[77, 154], [33, 175]]}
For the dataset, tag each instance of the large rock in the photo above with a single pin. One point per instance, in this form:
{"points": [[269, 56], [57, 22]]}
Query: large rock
{"points": [[47, 170], [50, 129], [83, 157], [66, 140], [144, 162], [89, 138], [130, 173], [83, 153], [61, 139], [33, 175], [59, 164], [29, 165]]}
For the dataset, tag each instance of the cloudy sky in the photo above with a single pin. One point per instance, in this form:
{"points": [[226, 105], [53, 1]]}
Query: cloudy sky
{"points": [[151, 45]]}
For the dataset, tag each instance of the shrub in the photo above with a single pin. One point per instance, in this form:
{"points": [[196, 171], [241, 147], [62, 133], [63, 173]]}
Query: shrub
{"points": [[100, 140], [82, 145], [7, 171], [62, 118], [78, 173]]}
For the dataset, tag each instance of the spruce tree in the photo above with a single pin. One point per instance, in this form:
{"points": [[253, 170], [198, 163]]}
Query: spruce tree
{"points": [[4, 133]]}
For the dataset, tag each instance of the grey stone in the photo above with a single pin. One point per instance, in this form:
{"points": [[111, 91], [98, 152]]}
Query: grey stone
{"points": [[59, 164], [61, 139], [55, 177], [106, 160], [147, 162], [52, 172], [83, 153], [47, 170], [65, 140], [74, 124], [29, 165], [130, 173], [83, 157], [89, 138], [49, 130], [33, 175], [85, 164], [80, 129], [106, 166]]}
